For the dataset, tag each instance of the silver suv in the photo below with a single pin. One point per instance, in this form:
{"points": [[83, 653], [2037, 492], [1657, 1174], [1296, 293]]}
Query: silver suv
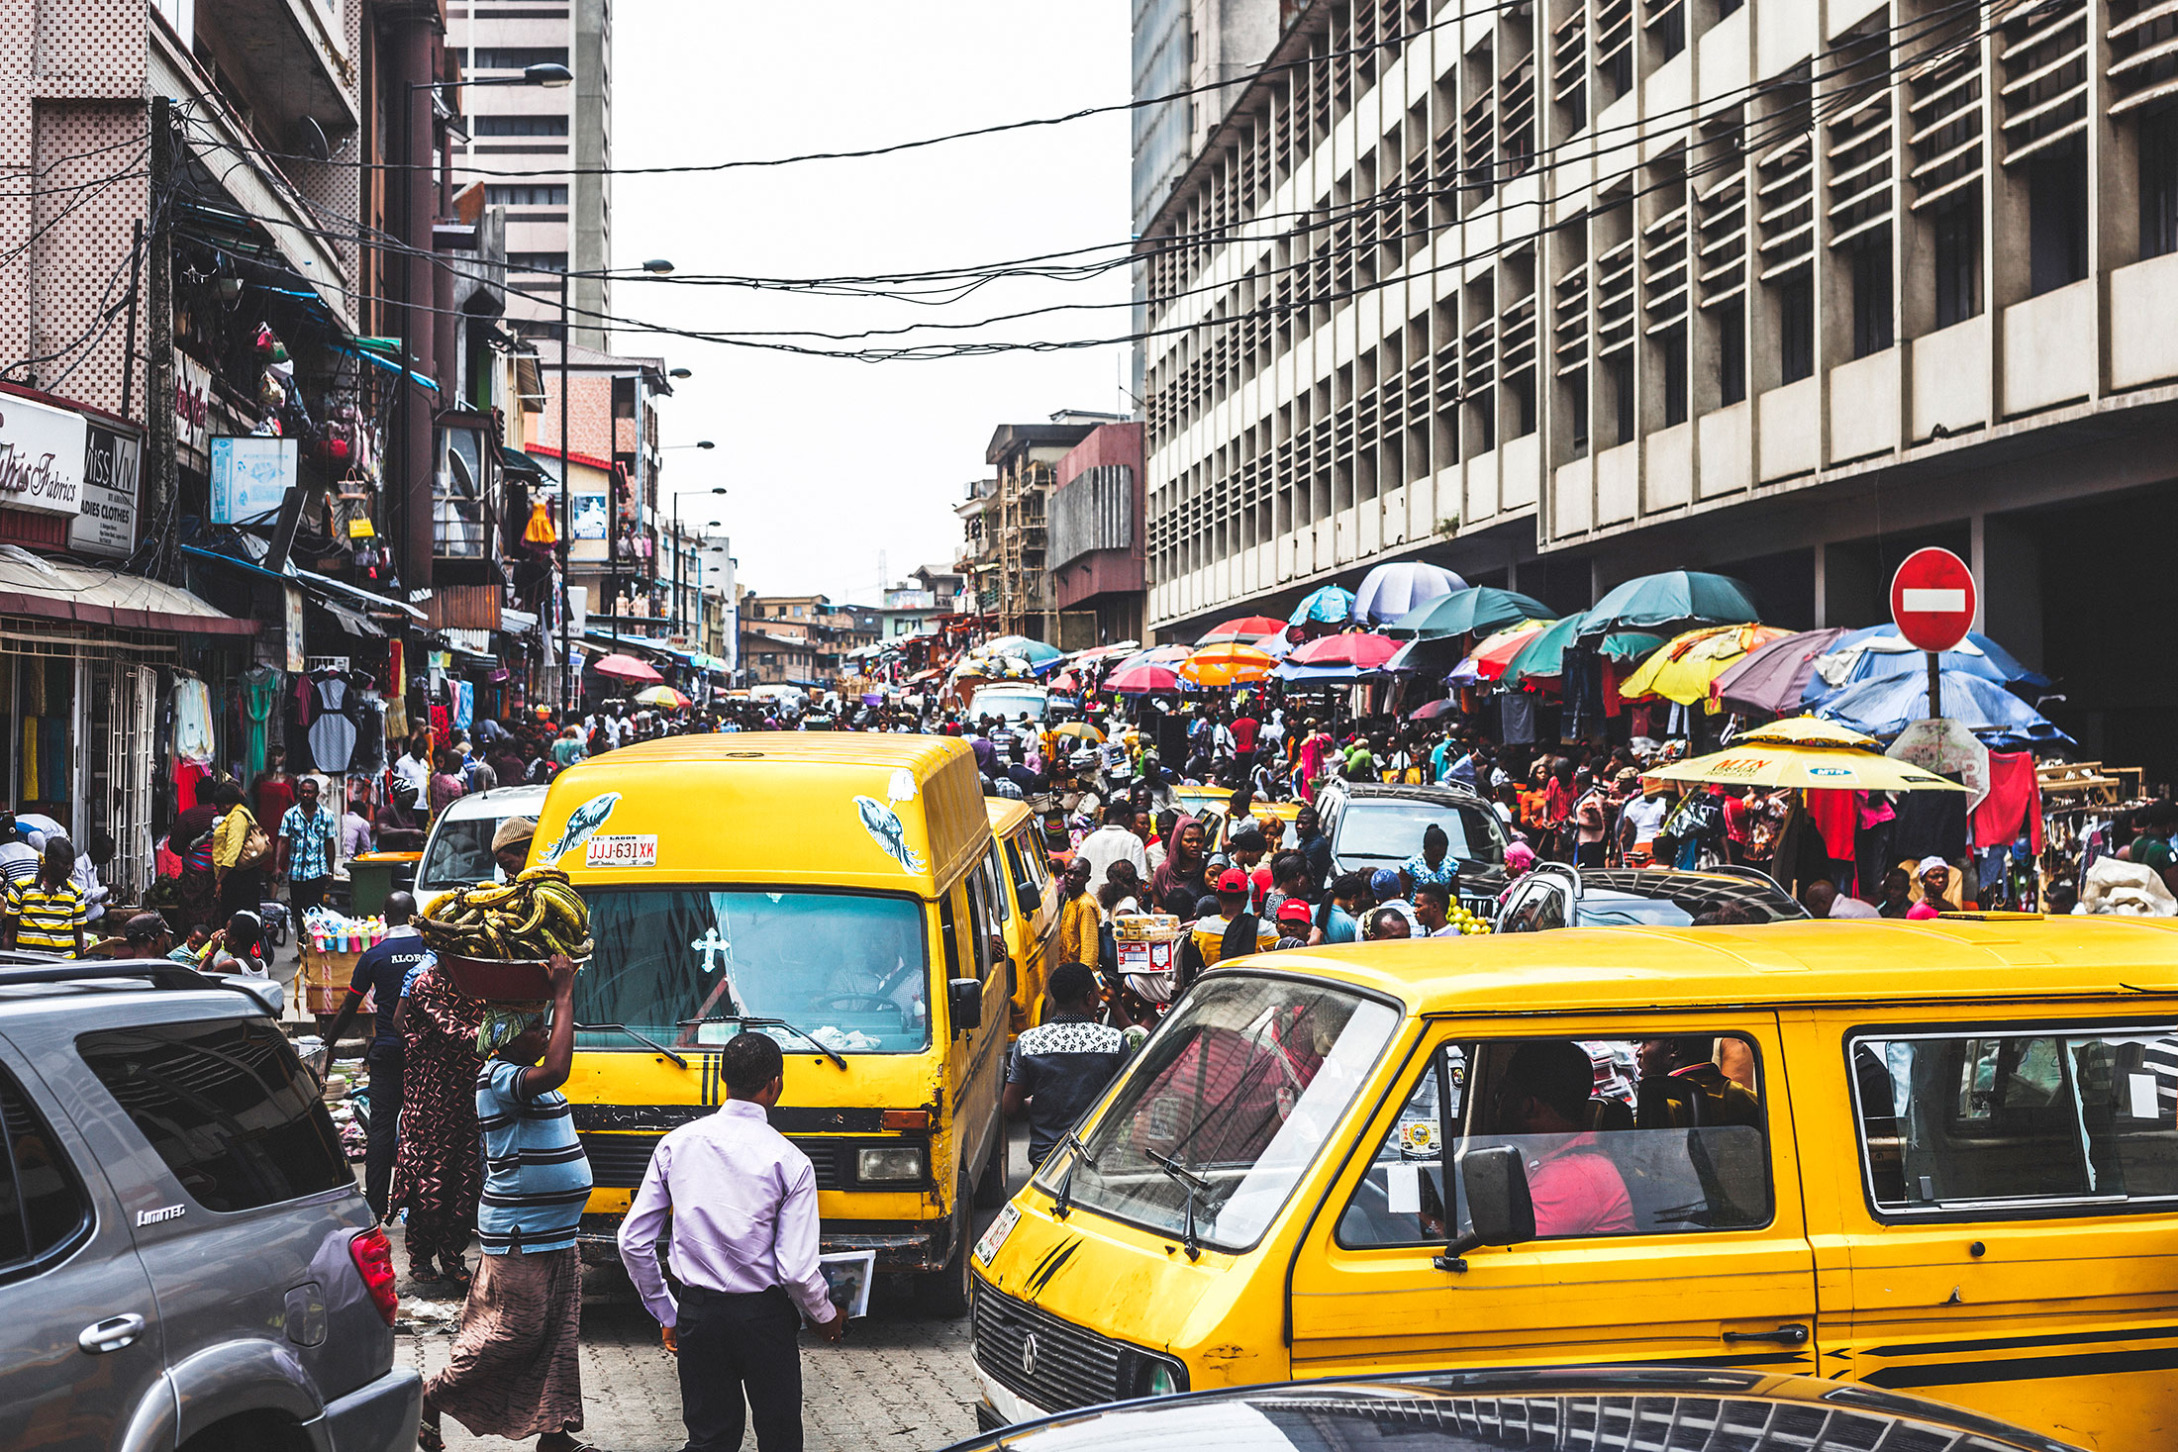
{"points": [[185, 1259]]}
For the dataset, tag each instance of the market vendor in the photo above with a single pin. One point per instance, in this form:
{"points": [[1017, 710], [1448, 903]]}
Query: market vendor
{"points": [[510, 845], [1934, 876]]}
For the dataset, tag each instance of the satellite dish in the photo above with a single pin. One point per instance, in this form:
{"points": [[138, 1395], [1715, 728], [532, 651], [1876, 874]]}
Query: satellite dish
{"points": [[463, 476], [314, 144]]}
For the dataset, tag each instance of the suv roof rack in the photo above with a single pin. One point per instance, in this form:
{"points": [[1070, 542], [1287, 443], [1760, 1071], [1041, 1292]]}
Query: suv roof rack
{"points": [[23, 969]]}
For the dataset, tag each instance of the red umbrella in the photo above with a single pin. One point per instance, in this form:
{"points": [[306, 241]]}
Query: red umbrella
{"points": [[1247, 628], [1357, 649], [1143, 680], [1433, 710], [625, 668]]}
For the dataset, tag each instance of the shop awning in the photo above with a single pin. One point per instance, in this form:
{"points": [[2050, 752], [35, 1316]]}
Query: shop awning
{"points": [[355, 622], [58, 590], [514, 461], [323, 585]]}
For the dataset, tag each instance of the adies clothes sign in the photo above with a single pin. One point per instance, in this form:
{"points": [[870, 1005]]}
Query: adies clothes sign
{"points": [[107, 525], [41, 457]]}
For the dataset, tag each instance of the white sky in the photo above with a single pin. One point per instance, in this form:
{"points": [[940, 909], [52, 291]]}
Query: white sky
{"points": [[830, 462]]}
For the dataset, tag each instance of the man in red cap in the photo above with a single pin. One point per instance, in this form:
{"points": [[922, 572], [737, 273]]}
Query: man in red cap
{"points": [[1235, 931], [1294, 916]]}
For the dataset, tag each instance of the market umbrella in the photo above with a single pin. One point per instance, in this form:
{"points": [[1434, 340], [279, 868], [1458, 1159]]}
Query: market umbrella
{"points": [[1143, 680], [1675, 597], [1431, 710], [1247, 627], [1035, 652], [1766, 764], [625, 668], [1064, 681], [1359, 649], [1809, 731], [1543, 653], [661, 696], [1231, 664], [1156, 655], [1879, 651], [1771, 678], [1476, 611], [1390, 591], [1683, 670], [1317, 677], [1623, 645], [1329, 605], [1081, 729], [1887, 705], [1491, 655], [1276, 645]]}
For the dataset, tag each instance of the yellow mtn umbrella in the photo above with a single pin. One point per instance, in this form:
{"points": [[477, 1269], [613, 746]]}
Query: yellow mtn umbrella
{"points": [[1081, 729], [1822, 767], [1686, 665], [1808, 731], [1227, 664]]}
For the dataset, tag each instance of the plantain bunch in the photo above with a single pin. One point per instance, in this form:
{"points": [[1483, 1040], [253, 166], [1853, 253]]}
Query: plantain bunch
{"points": [[529, 919]]}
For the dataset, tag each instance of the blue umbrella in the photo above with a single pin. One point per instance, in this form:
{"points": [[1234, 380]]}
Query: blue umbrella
{"points": [[1887, 705], [1329, 605], [1302, 677], [1390, 591], [1676, 597], [1035, 652], [1882, 651], [1476, 611]]}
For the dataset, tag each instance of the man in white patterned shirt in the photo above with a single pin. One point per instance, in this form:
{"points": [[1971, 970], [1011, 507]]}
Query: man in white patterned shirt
{"points": [[1063, 1065]]}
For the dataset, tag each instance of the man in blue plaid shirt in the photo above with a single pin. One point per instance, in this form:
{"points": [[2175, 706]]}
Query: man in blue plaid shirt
{"points": [[307, 835]]}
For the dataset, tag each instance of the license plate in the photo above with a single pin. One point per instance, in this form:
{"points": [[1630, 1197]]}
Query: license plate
{"points": [[996, 1235]]}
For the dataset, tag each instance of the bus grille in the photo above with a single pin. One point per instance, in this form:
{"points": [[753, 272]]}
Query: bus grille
{"points": [[1075, 1367], [618, 1161]]}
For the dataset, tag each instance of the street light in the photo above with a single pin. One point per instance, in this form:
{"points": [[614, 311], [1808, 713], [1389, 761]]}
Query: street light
{"points": [[679, 373], [680, 545], [658, 266]]}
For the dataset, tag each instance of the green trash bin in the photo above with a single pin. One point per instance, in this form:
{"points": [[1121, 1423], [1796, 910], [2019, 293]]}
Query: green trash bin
{"points": [[375, 876]]}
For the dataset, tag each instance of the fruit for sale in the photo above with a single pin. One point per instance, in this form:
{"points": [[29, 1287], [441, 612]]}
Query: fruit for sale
{"points": [[529, 919]]}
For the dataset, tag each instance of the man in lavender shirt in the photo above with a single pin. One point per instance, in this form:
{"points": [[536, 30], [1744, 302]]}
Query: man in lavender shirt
{"points": [[743, 1204]]}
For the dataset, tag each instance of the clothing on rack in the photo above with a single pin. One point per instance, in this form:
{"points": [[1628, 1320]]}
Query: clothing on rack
{"points": [[192, 720], [1931, 824], [332, 732], [2013, 807], [260, 688], [464, 704]]}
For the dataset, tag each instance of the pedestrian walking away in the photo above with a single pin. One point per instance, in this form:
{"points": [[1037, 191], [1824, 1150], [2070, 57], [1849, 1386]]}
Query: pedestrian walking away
{"points": [[742, 1202], [385, 971], [1063, 1065], [436, 1173], [515, 1370]]}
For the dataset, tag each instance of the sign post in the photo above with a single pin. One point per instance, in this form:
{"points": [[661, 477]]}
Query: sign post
{"points": [[1933, 599]]}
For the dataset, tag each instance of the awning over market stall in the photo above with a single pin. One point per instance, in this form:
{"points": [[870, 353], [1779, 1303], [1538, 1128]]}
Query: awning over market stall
{"points": [[55, 589]]}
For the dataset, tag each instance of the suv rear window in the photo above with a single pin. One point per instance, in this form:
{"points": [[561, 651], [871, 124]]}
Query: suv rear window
{"points": [[227, 1105], [41, 1205]]}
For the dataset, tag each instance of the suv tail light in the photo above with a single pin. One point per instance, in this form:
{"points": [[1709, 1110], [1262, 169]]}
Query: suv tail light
{"points": [[373, 1257]]}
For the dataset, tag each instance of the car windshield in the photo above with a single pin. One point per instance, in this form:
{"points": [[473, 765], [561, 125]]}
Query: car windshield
{"points": [[1611, 909], [1390, 830], [459, 853], [849, 969], [1010, 704], [1228, 1105]]}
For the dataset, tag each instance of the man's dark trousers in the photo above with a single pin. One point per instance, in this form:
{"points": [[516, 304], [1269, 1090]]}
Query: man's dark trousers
{"points": [[736, 1344], [385, 1125]]}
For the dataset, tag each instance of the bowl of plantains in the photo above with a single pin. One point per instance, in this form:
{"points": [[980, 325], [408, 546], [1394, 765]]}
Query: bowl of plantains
{"points": [[497, 939], [499, 980]]}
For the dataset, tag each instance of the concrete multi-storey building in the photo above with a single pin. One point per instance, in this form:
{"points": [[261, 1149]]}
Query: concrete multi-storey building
{"points": [[1556, 294], [1006, 522], [542, 152]]}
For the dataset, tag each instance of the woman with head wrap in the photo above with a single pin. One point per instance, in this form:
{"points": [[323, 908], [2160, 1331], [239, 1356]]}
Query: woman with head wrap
{"points": [[436, 1173], [1177, 885]]}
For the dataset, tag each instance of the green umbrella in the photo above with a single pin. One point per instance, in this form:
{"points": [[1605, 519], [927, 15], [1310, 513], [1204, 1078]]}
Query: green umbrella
{"points": [[1545, 654], [1676, 597], [1628, 644], [1467, 612]]}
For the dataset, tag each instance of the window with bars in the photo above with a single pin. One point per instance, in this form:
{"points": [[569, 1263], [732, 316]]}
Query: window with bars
{"points": [[1730, 321], [1665, 22], [1478, 133], [1614, 28], [1957, 257], [1785, 203], [1569, 65], [1871, 266], [1796, 326], [1478, 368], [1857, 141], [1516, 117], [2158, 162], [2043, 68], [1516, 330], [2143, 37], [1944, 116]]}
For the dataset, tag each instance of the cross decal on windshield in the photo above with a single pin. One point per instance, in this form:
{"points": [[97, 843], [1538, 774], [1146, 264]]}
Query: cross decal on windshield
{"points": [[712, 947]]}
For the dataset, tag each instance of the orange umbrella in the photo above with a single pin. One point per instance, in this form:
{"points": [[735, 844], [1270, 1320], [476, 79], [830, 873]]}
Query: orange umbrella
{"points": [[1229, 664]]}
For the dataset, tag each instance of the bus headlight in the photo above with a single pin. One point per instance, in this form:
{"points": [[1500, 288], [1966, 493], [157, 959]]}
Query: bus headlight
{"points": [[889, 1163]]}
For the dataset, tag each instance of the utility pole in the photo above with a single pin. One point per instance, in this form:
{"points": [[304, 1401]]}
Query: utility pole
{"points": [[570, 681], [161, 468]]}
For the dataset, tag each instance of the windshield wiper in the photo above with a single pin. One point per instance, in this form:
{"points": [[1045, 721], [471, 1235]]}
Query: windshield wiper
{"points": [[1195, 1185], [1062, 1194], [621, 1028], [746, 1019]]}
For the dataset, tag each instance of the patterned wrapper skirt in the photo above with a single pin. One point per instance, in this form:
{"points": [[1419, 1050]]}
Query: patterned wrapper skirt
{"points": [[514, 1371]]}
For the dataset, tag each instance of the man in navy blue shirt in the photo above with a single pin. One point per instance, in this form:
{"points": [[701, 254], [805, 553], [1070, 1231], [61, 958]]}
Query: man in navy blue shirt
{"points": [[384, 970]]}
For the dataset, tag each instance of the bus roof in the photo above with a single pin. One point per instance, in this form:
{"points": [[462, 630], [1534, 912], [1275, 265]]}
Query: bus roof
{"points": [[870, 810], [1577, 970]]}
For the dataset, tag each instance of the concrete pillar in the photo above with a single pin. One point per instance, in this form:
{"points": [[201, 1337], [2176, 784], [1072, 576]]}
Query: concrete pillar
{"points": [[419, 52], [2008, 565], [1822, 588]]}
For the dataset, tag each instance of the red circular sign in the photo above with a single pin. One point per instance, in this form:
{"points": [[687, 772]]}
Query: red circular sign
{"points": [[1933, 599]]}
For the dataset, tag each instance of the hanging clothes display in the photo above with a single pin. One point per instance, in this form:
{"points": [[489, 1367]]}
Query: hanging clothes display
{"points": [[57, 758], [332, 731], [2013, 807], [368, 710], [464, 704], [192, 719], [260, 691], [1519, 710], [1931, 824]]}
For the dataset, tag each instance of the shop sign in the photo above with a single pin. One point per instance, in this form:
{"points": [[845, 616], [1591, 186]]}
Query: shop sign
{"points": [[250, 476], [107, 525], [192, 410], [298, 660], [41, 457]]}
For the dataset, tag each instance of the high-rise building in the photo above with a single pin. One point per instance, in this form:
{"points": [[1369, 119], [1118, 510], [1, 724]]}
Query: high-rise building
{"points": [[542, 152], [1558, 294]]}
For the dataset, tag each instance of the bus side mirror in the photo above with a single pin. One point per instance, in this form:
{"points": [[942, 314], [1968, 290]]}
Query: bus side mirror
{"points": [[1500, 1211], [964, 999], [1032, 898]]}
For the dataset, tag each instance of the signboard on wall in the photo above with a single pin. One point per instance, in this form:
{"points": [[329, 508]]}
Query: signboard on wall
{"points": [[41, 457], [192, 411], [298, 660], [250, 476], [107, 525]]}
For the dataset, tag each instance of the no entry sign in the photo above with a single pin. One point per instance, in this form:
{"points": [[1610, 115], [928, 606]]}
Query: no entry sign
{"points": [[1932, 599]]}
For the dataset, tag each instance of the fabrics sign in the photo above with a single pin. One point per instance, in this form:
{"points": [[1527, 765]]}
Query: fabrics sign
{"points": [[107, 525], [41, 457]]}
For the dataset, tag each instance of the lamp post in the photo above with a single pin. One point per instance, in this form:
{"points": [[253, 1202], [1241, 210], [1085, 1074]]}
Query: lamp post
{"points": [[421, 538], [680, 617]]}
